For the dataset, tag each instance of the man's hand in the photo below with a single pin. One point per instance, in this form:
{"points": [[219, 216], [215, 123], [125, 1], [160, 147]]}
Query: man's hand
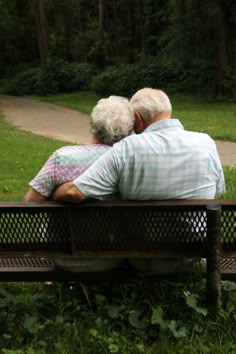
{"points": [[68, 192]]}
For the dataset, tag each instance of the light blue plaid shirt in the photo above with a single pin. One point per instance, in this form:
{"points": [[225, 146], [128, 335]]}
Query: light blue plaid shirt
{"points": [[164, 162]]}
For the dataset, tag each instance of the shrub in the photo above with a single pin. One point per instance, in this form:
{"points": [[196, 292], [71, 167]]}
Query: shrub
{"points": [[123, 80], [229, 83], [127, 79], [62, 77], [23, 83], [169, 76]]}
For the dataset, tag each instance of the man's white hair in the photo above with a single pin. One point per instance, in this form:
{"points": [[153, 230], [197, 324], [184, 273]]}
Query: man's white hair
{"points": [[112, 119], [150, 102]]}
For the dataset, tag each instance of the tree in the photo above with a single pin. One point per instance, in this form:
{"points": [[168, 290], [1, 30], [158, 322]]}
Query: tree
{"points": [[41, 26]]}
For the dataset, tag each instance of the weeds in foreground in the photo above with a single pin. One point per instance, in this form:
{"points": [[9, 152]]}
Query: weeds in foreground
{"points": [[143, 316]]}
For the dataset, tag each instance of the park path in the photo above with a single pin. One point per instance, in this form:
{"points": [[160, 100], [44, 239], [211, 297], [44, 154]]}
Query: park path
{"points": [[46, 119], [69, 125]]}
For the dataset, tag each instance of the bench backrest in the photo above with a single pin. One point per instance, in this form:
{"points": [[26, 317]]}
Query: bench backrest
{"points": [[115, 228]]}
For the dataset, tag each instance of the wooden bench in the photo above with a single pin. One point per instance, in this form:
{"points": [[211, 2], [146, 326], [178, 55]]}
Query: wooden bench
{"points": [[33, 235]]}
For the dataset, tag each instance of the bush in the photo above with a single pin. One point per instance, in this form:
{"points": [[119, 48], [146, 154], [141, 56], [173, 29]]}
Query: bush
{"points": [[169, 76], [71, 76], [62, 77], [123, 80], [23, 83], [229, 83], [127, 79], [195, 77]]}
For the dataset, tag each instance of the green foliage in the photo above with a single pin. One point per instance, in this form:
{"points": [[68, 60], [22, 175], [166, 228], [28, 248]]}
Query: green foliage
{"points": [[126, 79], [229, 83], [141, 316], [23, 83], [192, 42], [116, 80], [70, 76], [62, 77], [168, 75]]}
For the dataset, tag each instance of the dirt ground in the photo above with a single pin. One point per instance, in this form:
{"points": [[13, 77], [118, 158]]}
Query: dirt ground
{"points": [[69, 125]]}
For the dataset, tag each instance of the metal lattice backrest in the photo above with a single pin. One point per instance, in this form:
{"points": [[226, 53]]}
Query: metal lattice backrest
{"points": [[34, 229], [111, 226], [228, 222], [137, 228]]}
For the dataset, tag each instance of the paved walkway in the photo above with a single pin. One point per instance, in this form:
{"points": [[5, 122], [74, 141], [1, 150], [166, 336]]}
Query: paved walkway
{"points": [[46, 119], [69, 125]]}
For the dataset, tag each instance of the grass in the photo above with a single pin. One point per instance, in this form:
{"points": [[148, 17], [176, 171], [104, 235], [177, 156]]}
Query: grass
{"points": [[230, 181], [83, 101], [22, 154], [148, 316], [218, 119]]}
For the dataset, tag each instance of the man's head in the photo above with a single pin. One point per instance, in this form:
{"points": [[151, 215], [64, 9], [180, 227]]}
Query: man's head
{"points": [[150, 105], [112, 119]]}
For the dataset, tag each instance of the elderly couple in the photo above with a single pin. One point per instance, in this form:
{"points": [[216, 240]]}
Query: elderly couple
{"points": [[160, 161]]}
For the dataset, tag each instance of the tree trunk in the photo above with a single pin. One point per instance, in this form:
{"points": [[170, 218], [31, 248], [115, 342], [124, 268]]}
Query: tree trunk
{"points": [[218, 43], [141, 30], [100, 20], [101, 44], [40, 20], [221, 50]]}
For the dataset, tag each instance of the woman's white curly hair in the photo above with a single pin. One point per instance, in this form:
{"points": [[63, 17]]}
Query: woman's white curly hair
{"points": [[112, 119]]}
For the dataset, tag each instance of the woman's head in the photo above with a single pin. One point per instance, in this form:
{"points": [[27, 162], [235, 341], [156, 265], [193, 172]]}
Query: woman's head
{"points": [[112, 119]]}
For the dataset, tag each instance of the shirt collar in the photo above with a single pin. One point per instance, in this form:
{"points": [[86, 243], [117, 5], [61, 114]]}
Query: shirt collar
{"points": [[164, 124]]}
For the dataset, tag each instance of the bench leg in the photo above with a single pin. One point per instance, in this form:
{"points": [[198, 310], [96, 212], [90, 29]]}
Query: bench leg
{"points": [[213, 254]]}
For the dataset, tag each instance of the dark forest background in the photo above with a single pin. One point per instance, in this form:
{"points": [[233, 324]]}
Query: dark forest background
{"points": [[118, 46]]}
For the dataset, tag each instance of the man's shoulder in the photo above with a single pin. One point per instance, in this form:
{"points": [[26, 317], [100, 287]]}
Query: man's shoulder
{"points": [[201, 136], [128, 143], [131, 139]]}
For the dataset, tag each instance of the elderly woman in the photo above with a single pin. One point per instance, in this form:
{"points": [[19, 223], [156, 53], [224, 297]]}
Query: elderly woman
{"points": [[111, 120]]}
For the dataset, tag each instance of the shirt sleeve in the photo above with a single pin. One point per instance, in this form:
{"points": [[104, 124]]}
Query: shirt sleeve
{"points": [[102, 178], [44, 181], [220, 184]]}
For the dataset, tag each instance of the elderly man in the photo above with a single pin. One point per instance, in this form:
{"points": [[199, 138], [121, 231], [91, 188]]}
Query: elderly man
{"points": [[162, 161]]}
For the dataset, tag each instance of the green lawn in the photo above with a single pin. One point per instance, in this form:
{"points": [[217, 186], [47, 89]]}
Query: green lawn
{"points": [[215, 118], [22, 154], [218, 119], [83, 101]]}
